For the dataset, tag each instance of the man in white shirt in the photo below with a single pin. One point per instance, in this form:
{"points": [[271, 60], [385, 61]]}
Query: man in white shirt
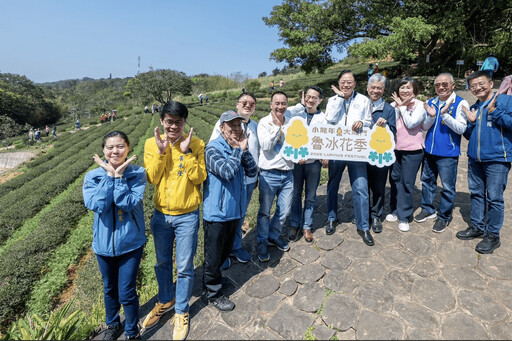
{"points": [[276, 178], [351, 109]]}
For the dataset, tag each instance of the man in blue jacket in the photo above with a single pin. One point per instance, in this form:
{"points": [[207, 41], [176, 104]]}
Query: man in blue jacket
{"points": [[446, 122], [228, 161], [489, 155], [490, 64]]}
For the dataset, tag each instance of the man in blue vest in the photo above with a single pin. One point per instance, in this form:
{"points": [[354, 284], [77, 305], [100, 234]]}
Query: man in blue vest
{"points": [[446, 122], [489, 156]]}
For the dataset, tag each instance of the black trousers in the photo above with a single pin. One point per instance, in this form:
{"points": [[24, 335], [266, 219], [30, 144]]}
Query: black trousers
{"points": [[218, 241], [377, 178]]}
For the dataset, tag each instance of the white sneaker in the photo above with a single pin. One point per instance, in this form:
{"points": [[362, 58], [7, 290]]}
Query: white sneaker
{"points": [[391, 217], [404, 227]]}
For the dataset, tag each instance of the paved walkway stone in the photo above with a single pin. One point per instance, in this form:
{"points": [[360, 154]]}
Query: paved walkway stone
{"points": [[413, 285]]}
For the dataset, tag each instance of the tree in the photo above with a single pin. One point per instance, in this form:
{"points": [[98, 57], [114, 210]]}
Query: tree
{"points": [[447, 30], [253, 86], [262, 74], [160, 85]]}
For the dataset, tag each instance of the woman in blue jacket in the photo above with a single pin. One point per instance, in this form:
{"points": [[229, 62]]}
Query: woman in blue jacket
{"points": [[114, 192]]}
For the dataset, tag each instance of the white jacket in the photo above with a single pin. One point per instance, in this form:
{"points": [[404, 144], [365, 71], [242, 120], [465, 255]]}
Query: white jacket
{"points": [[358, 109]]}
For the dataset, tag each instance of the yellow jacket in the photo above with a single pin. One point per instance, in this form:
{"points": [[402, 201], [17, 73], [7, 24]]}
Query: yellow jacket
{"points": [[177, 176]]}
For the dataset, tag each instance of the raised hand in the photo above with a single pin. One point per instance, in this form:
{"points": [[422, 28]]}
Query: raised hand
{"points": [[185, 144], [162, 144], [119, 170], [337, 91], [492, 105], [397, 99], [105, 165], [470, 114], [430, 110], [446, 107], [243, 140]]}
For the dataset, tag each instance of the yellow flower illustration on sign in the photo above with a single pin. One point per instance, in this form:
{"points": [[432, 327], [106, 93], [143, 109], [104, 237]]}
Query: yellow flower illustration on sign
{"points": [[297, 134], [381, 141], [296, 137]]}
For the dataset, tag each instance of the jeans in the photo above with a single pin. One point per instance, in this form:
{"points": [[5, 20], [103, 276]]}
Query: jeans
{"points": [[183, 228], [237, 244], [377, 178], [218, 237], [119, 276], [308, 176], [446, 168], [403, 175], [358, 182], [487, 182], [274, 183]]}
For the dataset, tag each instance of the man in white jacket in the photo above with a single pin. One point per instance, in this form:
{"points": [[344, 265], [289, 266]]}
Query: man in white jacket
{"points": [[351, 109]]}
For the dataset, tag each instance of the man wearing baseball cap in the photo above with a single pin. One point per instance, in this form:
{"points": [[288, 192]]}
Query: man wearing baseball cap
{"points": [[228, 162]]}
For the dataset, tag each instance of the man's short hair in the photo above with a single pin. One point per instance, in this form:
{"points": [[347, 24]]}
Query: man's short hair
{"points": [[317, 89], [174, 108], [344, 72], [250, 94], [277, 93], [445, 74], [376, 78], [477, 74]]}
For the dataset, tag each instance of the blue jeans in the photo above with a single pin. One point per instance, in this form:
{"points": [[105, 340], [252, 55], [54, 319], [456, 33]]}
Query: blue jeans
{"points": [[446, 168], [308, 176], [487, 182], [183, 228], [359, 184], [237, 244], [405, 170], [119, 276], [274, 183]]}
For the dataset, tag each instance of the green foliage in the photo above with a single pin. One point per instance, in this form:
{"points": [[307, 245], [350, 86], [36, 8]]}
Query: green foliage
{"points": [[408, 29], [253, 86], [9, 127], [59, 326], [407, 37], [160, 85], [26, 103]]}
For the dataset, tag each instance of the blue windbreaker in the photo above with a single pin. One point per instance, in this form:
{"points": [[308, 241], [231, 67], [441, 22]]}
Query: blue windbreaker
{"points": [[118, 226], [490, 136]]}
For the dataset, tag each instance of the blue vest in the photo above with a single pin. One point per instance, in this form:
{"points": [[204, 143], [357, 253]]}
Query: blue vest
{"points": [[441, 140], [224, 200]]}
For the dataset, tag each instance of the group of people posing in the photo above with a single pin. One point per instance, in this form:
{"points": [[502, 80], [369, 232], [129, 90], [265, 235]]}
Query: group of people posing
{"points": [[243, 153]]}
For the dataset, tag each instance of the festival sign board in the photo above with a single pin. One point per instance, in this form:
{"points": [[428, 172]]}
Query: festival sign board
{"points": [[337, 142]]}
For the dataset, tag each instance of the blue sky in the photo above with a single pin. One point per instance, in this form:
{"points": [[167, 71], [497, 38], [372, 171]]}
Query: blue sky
{"points": [[50, 40]]}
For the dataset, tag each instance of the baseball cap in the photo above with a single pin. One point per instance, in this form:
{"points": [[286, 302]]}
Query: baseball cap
{"points": [[229, 115]]}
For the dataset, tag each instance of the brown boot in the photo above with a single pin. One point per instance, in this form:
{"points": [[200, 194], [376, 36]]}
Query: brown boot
{"points": [[308, 236]]}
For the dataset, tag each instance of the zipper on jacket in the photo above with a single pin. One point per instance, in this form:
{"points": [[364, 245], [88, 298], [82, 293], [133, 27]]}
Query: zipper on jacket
{"points": [[435, 128], [503, 144], [114, 229], [478, 135]]}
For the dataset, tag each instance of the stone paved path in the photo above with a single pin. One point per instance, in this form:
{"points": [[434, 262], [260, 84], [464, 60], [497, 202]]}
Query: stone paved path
{"points": [[413, 285]]}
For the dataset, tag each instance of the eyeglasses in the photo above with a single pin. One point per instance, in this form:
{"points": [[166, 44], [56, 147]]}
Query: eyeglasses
{"points": [[247, 103], [313, 98], [443, 84], [347, 82], [170, 123], [480, 85]]}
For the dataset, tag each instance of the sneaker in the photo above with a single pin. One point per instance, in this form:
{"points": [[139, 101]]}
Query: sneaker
{"points": [[222, 303], [439, 226], [133, 337], [155, 314], [279, 243], [113, 332], [226, 264], [488, 244], [245, 226], [241, 255], [404, 227], [180, 322], [263, 254], [391, 217], [424, 215]]}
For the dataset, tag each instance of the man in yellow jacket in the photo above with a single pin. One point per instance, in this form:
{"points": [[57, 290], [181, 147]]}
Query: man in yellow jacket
{"points": [[175, 164]]}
